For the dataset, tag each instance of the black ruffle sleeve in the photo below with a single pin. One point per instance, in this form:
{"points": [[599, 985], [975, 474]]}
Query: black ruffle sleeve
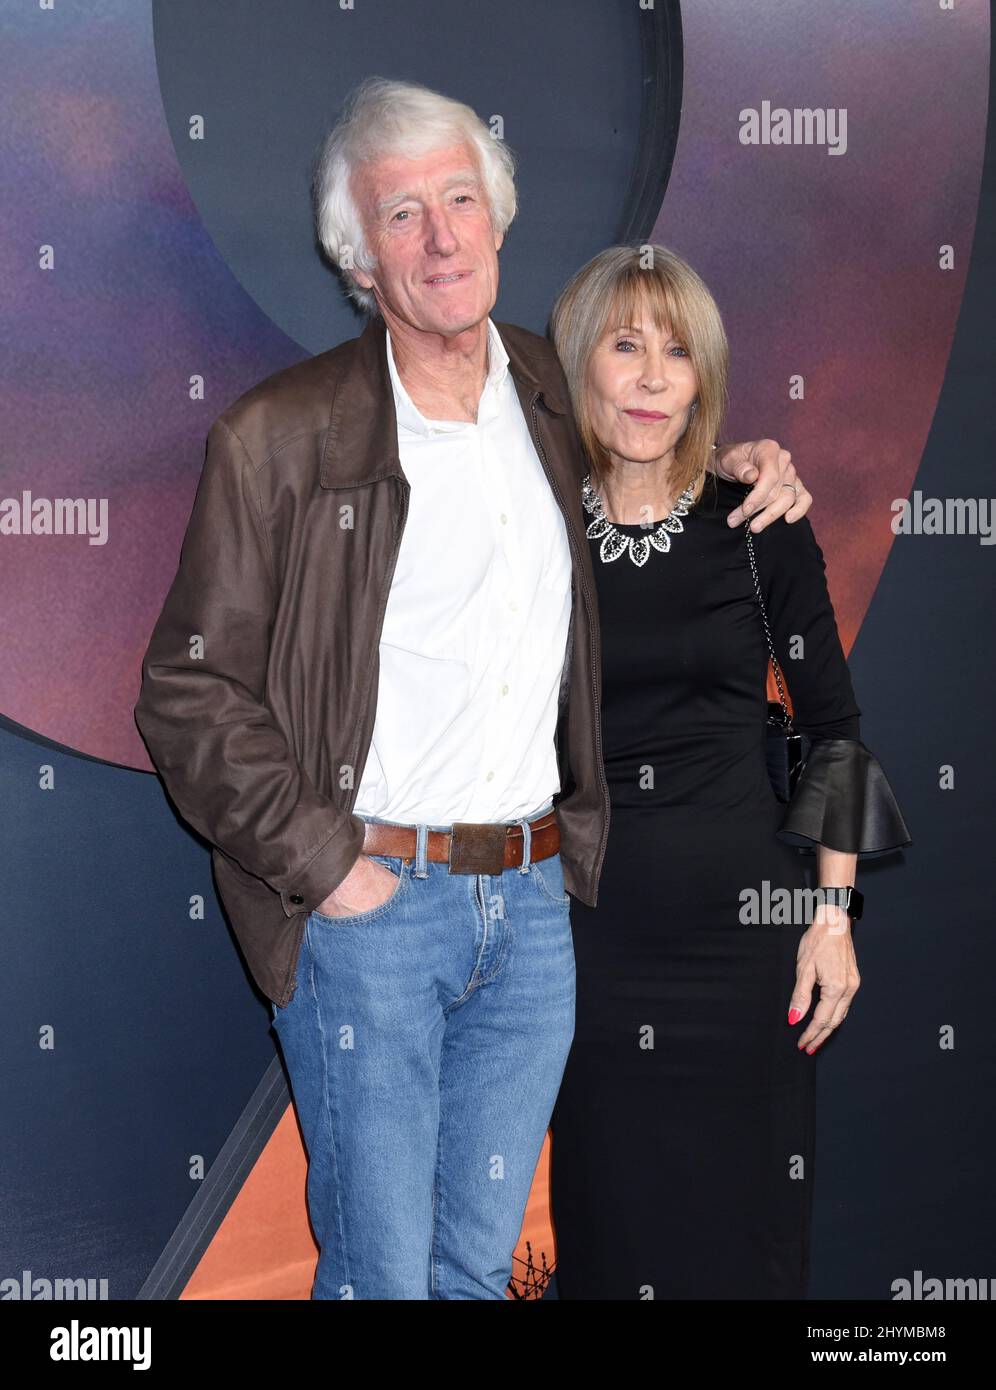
{"points": [[843, 801], [842, 798]]}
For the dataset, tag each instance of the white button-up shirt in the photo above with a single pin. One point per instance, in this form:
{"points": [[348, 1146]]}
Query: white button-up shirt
{"points": [[476, 624]]}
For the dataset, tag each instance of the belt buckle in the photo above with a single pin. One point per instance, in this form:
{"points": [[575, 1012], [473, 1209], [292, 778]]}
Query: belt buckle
{"points": [[477, 848]]}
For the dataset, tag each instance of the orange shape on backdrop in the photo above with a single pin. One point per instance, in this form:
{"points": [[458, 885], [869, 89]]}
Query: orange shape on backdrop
{"points": [[264, 1248]]}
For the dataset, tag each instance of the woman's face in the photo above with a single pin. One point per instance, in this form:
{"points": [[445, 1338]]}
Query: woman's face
{"points": [[641, 386]]}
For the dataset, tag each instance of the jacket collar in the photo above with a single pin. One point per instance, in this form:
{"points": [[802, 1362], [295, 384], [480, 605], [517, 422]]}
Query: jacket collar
{"points": [[361, 445]]}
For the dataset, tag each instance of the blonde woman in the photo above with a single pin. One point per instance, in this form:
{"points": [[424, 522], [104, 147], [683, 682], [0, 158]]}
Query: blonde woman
{"points": [[683, 1133]]}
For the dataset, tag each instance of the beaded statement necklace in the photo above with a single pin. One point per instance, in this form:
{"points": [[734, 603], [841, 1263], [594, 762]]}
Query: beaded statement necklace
{"points": [[614, 542]]}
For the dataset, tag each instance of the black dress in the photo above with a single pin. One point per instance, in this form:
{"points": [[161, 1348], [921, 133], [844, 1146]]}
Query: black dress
{"points": [[682, 1139]]}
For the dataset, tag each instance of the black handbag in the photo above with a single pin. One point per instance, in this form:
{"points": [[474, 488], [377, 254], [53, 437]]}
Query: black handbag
{"points": [[785, 749]]}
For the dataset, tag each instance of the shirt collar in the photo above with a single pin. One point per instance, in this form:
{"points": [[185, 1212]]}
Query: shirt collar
{"points": [[408, 413]]}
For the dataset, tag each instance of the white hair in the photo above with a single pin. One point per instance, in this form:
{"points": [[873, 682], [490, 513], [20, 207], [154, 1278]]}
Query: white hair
{"points": [[380, 118]]}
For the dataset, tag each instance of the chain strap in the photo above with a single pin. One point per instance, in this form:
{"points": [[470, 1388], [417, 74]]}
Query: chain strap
{"points": [[767, 630]]}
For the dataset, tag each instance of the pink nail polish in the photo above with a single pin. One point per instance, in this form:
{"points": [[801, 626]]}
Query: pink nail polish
{"points": [[795, 1015]]}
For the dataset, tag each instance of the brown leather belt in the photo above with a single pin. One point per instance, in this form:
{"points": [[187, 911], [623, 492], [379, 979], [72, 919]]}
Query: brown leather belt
{"points": [[468, 847]]}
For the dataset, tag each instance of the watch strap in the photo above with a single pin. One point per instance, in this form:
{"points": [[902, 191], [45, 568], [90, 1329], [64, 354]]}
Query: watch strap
{"points": [[850, 899]]}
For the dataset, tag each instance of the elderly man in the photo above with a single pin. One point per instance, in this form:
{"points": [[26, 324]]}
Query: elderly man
{"points": [[374, 675]]}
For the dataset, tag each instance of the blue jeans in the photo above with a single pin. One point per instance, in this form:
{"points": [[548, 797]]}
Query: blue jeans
{"points": [[425, 1044]]}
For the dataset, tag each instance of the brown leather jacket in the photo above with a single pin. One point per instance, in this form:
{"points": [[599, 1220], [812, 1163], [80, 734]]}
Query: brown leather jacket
{"points": [[259, 685]]}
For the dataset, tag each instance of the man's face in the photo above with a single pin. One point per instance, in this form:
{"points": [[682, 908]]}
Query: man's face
{"points": [[428, 223]]}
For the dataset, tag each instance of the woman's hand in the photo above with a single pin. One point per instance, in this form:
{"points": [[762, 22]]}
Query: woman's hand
{"points": [[826, 958], [778, 489]]}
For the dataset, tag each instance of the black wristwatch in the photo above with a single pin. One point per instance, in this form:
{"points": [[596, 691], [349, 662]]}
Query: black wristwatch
{"points": [[849, 899]]}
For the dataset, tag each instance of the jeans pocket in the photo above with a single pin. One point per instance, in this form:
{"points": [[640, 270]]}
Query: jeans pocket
{"points": [[548, 875], [399, 867]]}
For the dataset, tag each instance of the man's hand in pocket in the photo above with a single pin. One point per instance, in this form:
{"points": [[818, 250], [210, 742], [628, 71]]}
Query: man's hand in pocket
{"points": [[366, 886]]}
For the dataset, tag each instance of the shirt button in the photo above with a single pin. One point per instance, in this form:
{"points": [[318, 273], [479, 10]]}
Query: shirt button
{"points": [[504, 690], [504, 519], [513, 605], [489, 777]]}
